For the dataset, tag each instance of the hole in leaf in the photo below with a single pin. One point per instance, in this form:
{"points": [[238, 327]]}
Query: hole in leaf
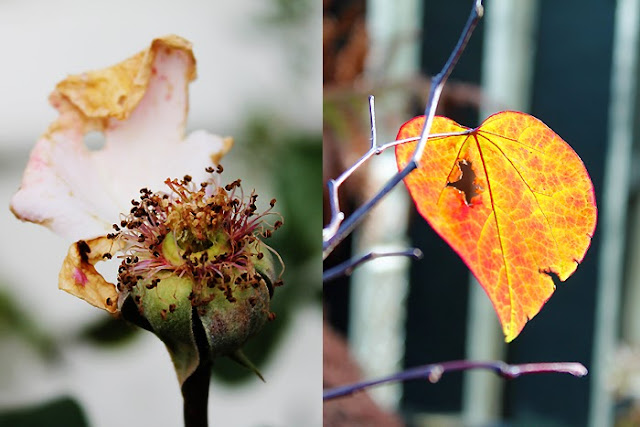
{"points": [[466, 182], [554, 276], [94, 140]]}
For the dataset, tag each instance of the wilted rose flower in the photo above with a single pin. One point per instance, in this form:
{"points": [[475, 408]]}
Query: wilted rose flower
{"points": [[188, 249]]}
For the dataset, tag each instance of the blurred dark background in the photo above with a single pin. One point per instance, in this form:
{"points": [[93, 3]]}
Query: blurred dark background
{"points": [[576, 68]]}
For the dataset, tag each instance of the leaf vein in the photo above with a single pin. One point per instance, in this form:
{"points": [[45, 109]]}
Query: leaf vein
{"points": [[533, 193], [493, 208], [481, 132]]}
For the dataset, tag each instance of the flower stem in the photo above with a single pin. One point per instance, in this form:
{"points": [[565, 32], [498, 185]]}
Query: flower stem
{"points": [[195, 389], [195, 392]]}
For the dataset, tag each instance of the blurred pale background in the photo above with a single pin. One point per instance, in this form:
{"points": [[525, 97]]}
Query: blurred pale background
{"points": [[259, 79], [574, 65]]}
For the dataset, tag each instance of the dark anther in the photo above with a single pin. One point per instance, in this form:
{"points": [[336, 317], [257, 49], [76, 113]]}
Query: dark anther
{"points": [[209, 169], [106, 255], [187, 178], [272, 202], [219, 169]]}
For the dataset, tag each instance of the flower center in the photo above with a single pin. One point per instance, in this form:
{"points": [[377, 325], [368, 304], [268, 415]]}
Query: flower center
{"points": [[207, 233]]}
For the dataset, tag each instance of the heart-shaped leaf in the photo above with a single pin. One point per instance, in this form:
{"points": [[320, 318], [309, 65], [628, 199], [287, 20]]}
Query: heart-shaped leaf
{"points": [[512, 199]]}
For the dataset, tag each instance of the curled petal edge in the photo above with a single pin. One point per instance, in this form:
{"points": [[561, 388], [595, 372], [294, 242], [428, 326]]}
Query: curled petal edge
{"points": [[79, 277], [116, 91]]}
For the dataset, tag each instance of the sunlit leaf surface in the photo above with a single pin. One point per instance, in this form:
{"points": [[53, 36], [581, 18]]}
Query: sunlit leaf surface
{"points": [[512, 199]]}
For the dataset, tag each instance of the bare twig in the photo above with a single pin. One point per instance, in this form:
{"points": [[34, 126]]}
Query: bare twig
{"points": [[337, 216], [435, 371], [338, 227], [347, 267]]}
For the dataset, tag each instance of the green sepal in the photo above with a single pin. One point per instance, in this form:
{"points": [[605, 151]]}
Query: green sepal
{"points": [[240, 358], [228, 325], [167, 308]]}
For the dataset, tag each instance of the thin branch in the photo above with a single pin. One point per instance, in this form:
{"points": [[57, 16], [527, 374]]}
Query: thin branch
{"points": [[337, 230], [337, 216], [435, 371], [347, 267], [440, 79], [334, 184]]}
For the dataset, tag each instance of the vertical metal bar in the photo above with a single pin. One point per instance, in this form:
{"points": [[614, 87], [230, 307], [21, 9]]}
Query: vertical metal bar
{"points": [[378, 288], [613, 206], [630, 312], [507, 68]]}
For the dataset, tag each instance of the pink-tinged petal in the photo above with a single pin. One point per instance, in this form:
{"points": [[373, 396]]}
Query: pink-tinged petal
{"points": [[79, 277], [140, 105]]}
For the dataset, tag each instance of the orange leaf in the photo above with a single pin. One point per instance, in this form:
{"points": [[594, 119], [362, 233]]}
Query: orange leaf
{"points": [[512, 199]]}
